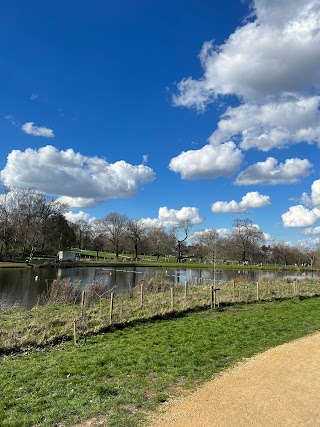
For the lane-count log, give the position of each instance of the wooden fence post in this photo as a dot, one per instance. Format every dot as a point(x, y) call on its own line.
point(82, 302)
point(185, 292)
point(257, 291)
point(172, 298)
point(233, 290)
point(141, 294)
point(75, 332)
point(111, 307)
point(212, 296)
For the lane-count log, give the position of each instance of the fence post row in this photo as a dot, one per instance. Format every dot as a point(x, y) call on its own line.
point(182, 296)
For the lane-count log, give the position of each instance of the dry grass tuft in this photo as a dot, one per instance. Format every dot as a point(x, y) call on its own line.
point(64, 292)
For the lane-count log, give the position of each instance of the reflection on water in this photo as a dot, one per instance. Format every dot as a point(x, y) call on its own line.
point(26, 285)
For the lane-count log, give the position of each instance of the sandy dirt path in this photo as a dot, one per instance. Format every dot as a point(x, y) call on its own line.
point(280, 387)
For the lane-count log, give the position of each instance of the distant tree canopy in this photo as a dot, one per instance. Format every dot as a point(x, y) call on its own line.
point(29, 219)
point(246, 238)
point(31, 222)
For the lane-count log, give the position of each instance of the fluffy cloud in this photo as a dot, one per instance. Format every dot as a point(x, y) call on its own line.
point(272, 66)
point(314, 199)
point(30, 129)
point(250, 200)
point(267, 236)
point(208, 162)
point(81, 181)
point(315, 193)
point(311, 231)
point(299, 216)
point(270, 172)
point(222, 232)
point(172, 217)
point(79, 202)
point(273, 124)
point(79, 216)
point(306, 214)
point(274, 53)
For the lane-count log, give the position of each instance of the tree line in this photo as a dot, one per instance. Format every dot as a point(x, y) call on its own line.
point(32, 223)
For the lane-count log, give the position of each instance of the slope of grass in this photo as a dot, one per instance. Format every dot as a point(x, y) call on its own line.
point(63, 311)
point(8, 264)
point(127, 373)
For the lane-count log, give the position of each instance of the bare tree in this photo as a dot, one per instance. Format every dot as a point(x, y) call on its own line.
point(83, 233)
point(6, 226)
point(26, 218)
point(115, 227)
point(246, 237)
point(59, 234)
point(158, 242)
point(208, 244)
point(181, 233)
point(135, 233)
point(98, 243)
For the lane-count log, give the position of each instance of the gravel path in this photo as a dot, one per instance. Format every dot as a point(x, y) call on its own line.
point(280, 387)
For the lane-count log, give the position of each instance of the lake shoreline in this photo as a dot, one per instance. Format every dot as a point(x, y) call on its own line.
point(161, 264)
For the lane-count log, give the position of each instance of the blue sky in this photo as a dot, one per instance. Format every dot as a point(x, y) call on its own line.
point(166, 110)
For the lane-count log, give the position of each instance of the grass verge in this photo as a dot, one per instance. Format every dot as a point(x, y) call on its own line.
point(128, 373)
point(13, 265)
point(69, 314)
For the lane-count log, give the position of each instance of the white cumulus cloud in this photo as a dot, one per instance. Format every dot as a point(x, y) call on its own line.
point(272, 65)
point(307, 213)
point(31, 129)
point(311, 231)
point(274, 53)
point(222, 232)
point(314, 199)
point(208, 162)
point(271, 172)
point(279, 123)
point(173, 217)
point(251, 200)
point(81, 181)
point(315, 193)
point(300, 216)
point(78, 216)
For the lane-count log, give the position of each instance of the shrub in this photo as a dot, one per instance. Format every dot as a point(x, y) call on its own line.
point(64, 292)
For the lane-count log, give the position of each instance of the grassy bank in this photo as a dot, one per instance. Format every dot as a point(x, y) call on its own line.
point(67, 313)
point(127, 373)
point(89, 259)
point(13, 265)
point(111, 262)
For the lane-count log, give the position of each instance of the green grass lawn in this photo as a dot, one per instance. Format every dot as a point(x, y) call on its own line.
point(13, 265)
point(128, 373)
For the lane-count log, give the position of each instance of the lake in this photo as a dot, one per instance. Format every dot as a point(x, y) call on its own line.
point(24, 286)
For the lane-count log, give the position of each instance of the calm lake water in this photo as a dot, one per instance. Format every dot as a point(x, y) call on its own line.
point(20, 286)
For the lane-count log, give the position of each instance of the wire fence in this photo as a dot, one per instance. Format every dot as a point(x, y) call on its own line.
point(69, 312)
point(156, 296)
